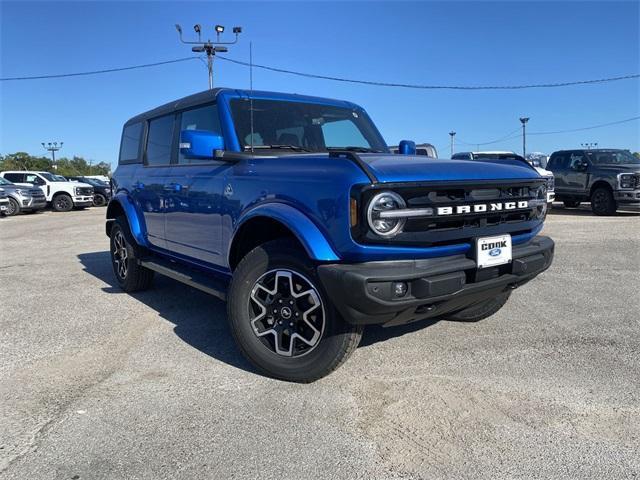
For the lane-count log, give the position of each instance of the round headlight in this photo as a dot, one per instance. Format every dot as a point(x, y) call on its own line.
point(385, 226)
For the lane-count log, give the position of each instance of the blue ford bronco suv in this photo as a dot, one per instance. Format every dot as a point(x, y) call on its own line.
point(293, 210)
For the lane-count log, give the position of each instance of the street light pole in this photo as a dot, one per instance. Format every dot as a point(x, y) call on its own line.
point(524, 121)
point(452, 134)
point(209, 47)
point(52, 147)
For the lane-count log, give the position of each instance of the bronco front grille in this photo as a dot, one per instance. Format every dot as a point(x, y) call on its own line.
point(435, 230)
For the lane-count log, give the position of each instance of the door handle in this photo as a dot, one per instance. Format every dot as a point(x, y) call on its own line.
point(173, 187)
point(138, 185)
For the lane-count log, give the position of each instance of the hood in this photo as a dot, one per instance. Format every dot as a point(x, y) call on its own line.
point(543, 172)
point(619, 168)
point(73, 184)
point(415, 168)
point(24, 187)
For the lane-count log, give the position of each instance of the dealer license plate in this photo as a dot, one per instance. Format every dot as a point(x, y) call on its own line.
point(492, 251)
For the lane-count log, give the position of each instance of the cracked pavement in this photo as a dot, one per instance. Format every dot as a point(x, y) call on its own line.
point(98, 384)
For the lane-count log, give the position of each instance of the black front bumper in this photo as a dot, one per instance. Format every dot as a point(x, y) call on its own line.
point(628, 198)
point(362, 292)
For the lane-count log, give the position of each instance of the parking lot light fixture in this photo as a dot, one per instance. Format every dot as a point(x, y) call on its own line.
point(524, 121)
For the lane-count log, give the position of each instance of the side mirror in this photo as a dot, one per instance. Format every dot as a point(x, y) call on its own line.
point(535, 163)
point(407, 147)
point(200, 144)
point(580, 165)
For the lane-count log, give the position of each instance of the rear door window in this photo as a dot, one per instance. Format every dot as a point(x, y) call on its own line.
point(159, 141)
point(14, 177)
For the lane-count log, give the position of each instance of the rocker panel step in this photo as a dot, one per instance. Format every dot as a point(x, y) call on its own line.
point(188, 276)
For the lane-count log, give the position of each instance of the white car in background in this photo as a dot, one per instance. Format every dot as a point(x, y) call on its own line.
point(506, 155)
point(58, 191)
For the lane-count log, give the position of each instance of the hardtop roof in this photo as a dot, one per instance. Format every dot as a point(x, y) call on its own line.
point(207, 96)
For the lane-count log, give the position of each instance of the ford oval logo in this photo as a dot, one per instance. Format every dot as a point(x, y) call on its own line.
point(495, 252)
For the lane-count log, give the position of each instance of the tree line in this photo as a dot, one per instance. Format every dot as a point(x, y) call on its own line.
point(76, 166)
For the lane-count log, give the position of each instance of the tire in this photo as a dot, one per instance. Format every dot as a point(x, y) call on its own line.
point(571, 204)
point(265, 305)
point(602, 202)
point(14, 208)
point(62, 203)
point(124, 259)
point(99, 200)
point(481, 310)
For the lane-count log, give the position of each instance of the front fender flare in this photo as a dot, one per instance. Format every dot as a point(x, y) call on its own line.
point(136, 223)
point(311, 238)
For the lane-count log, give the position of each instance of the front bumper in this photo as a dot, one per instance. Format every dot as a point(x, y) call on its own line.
point(627, 197)
point(33, 203)
point(362, 292)
point(83, 201)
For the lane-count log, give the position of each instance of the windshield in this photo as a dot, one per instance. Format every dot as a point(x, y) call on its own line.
point(306, 127)
point(52, 178)
point(90, 181)
point(498, 156)
point(612, 157)
point(4, 181)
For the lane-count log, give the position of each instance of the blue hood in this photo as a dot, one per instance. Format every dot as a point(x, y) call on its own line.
point(415, 168)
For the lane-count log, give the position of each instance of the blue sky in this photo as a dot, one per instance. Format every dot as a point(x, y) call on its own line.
point(458, 43)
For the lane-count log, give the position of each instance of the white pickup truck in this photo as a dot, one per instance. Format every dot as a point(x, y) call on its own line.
point(59, 192)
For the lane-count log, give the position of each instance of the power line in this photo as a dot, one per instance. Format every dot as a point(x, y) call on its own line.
point(587, 128)
point(508, 136)
point(430, 87)
point(516, 134)
point(97, 72)
point(337, 79)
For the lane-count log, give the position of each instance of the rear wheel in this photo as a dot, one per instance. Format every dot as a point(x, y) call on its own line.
point(99, 200)
point(13, 208)
point(481, 310)
point(571, 203)
point(281, 318)
point(62, 203)
point(125, 254)
point(602, 202)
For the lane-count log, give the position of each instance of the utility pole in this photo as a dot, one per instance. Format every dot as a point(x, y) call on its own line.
point(53, 147)
point(209, 47)
point(524, 121)
point(453, 134)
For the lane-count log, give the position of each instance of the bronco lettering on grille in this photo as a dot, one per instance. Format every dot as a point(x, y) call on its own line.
point(482, 207)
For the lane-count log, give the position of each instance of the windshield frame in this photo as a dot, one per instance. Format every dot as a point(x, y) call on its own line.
point(371, 135)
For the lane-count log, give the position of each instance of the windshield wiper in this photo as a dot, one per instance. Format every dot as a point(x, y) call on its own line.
point(295, 148)
point(354, 149)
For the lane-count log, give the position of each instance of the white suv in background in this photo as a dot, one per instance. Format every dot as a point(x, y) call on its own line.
point(59, 192)
point(500, 155)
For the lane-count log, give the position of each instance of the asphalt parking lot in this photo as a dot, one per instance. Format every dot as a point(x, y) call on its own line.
point(98, 384)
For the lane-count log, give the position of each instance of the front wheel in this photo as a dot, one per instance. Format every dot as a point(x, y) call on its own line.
point(602, 202)
point(481, 310)
point(13, 208)
point(282, 319)
point(62, 203)
point(99, 200)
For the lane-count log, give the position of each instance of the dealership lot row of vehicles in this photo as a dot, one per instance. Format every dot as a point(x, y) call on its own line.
point(31, 191)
